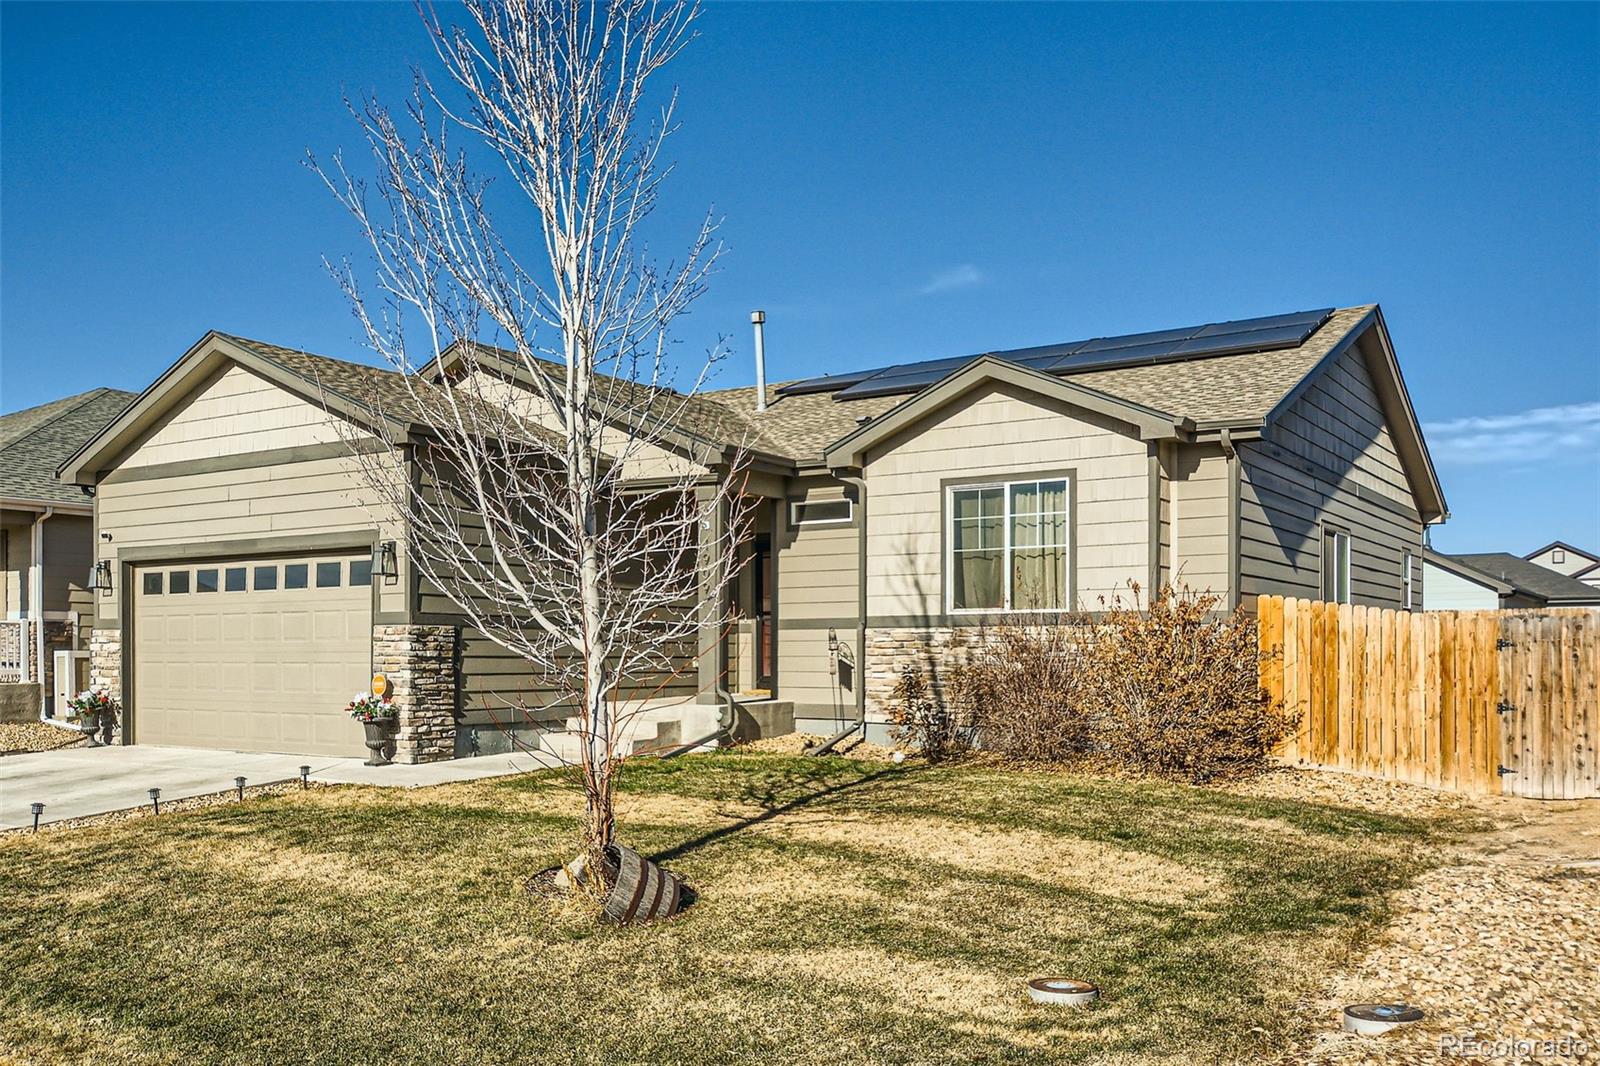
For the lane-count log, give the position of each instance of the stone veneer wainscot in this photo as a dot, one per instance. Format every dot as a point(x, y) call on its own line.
point(421, 665)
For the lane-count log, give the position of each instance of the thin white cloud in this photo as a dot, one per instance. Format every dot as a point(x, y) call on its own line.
point(957, 277)
point(1571, 431)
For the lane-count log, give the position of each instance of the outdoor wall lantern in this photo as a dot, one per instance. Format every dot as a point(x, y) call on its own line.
point(384, 563)
point(100, 576)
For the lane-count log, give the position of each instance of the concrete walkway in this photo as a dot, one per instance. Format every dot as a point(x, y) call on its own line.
point(78, 782)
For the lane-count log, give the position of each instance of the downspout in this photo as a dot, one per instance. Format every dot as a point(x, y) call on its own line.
point(36, 601)
point(1235, 569)
point(860, 724)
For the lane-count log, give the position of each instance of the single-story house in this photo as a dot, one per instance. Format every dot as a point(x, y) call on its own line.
point(898, 506)
point(46, 547)
point(1563, 558)
point(1489, 581)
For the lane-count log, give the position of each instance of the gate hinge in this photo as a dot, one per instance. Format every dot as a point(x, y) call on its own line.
point(1502, 644)
point(1504, 707)
point(1504, 770)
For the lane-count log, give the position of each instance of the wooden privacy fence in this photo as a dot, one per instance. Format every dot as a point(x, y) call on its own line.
point(1471, 701)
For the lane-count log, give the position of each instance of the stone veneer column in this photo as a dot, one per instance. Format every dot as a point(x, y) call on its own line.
point(105, 661)
point(420, 663)
point(932, 650)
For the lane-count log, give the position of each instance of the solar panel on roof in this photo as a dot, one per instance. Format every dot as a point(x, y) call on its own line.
point(825, 383)
point(1265, 333)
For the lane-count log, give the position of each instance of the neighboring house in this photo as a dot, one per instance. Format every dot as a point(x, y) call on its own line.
point(1273, 455)
point(1563, 558)
point(46, 543)
point(1498, 580)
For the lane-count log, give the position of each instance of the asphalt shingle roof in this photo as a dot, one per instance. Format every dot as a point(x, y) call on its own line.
point(1233, 389)
point(1531, 578)
point(1214, 389)
point(33, 442)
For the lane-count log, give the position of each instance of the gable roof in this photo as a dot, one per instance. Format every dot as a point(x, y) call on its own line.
point(1151, 424)
point(1531, 579)
point(1564, 546)
point(35, 440)
point(367, 396)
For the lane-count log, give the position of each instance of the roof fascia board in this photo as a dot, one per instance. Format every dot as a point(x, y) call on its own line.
point(1151, 424)
point(203, 357)
point(24, 503)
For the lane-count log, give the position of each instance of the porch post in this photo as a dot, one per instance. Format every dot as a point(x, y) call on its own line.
point(710, 608)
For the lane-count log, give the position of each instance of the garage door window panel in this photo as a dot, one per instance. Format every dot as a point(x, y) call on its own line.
point(294, 575)
point(152, 584)
point(360, 573)
point(178, 582)
point(328, 575)
point(205, 580)
point(266, 578)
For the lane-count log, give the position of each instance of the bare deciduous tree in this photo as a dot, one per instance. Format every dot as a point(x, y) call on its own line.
point(577, 510)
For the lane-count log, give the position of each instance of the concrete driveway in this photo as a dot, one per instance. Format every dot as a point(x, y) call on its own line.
point(78, 782)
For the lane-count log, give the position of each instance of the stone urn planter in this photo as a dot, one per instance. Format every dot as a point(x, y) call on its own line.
point(377, 740)
point(89, 723)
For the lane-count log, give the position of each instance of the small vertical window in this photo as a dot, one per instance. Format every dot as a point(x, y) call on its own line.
point(328, 575)
point(205, 581)
point(1558, 556)
point(234, 579)
point(360, 572)
point(1409, 564)
point(294, 576)
point(266, 578)
point(1335, 566)
point(152, 584)
point(178, 582)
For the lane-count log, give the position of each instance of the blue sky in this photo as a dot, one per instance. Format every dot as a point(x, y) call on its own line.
point(902, 181)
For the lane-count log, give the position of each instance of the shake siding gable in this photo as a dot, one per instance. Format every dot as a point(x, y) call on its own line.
point(1001, 432)
point(236, 413)
point(241, 417)
point(1328, 461)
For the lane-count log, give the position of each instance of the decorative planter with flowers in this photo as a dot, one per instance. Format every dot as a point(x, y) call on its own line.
point(95, 710)
point(377, 715)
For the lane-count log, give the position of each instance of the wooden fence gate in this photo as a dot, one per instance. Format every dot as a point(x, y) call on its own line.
point(1471, 701)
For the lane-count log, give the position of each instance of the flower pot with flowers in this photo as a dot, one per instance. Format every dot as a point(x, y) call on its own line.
point(95, 709)
point(376, 715)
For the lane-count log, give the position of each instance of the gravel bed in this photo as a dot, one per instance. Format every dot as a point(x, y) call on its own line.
point(796, 743)
point(21, 737)
point(1498, 945)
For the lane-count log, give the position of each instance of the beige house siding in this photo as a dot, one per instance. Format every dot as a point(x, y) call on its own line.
point(818, 568)
point(1573, 563)
point(1201, 538)
point(1329, 461)
point(235, 413)
point(68, 552)
point(996, 432)
point(259, 495)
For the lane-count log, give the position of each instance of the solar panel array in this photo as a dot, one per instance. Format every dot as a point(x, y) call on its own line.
point(1263, 334)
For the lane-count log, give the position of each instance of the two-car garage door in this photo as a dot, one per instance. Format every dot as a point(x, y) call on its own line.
point(252, 654)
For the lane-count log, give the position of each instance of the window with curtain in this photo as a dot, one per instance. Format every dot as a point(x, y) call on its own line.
point(1008, 547)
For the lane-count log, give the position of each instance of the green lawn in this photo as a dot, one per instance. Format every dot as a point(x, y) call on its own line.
point(850, 912)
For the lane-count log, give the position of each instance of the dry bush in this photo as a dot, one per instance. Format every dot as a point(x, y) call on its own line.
point(1175, 690)
point(925, 720)
point(1021, 684)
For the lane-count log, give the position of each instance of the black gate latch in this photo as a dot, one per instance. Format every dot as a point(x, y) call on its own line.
point(1503, 770)
point(1504, 707)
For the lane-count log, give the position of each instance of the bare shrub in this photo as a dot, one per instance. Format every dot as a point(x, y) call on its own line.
point(1022, 683)
point(1175, 689)
point(925, 720)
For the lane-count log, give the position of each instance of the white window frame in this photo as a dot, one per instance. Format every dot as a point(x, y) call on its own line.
point(1341, 545)
point(794, 513)
point(1410, 587)
point(948, 535)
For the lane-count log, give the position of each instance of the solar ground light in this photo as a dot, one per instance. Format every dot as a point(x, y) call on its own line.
point(155, 798)
point(37, 809)
point(1063, 991)
point(1372, 1019)
point(238, 783)
point(305, 772)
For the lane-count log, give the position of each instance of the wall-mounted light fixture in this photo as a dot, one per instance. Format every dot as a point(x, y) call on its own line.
point(384, 562)
point(100, 576)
